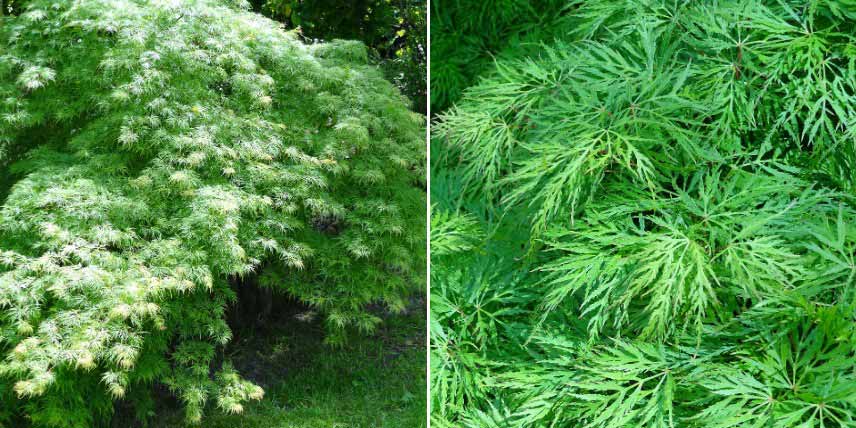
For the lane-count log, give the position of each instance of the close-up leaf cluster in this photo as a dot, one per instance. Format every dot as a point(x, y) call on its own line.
point(467, 35)
point(648, 220)
point(159, 158)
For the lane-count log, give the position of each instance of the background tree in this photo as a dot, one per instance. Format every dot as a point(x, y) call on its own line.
point(11, 7)
point(394, 31)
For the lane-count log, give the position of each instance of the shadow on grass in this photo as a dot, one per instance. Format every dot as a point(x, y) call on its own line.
point(374, 381)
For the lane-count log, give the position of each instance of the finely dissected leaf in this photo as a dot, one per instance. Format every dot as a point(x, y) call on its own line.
point(155, 157)
point(667, 190)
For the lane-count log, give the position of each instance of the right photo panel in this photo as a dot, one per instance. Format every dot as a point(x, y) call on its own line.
point(643, 214)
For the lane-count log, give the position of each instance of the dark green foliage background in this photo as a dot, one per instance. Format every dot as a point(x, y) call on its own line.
point(11, 7)
point(644, 216)
point(469, 35)
point(395, 32)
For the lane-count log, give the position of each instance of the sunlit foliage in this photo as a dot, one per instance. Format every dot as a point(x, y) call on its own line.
point(156, 153)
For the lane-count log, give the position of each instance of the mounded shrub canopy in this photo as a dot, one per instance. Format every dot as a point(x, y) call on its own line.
point(155, 152)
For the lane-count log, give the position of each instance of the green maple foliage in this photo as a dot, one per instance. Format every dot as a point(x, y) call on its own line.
point(470, 34)
point(649, 222)
point(152, 154)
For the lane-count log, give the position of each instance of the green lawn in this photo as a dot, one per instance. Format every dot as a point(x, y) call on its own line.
point(375, 381)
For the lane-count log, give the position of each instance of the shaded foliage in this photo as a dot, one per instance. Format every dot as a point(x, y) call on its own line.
point(468, 35)
point(394, 31)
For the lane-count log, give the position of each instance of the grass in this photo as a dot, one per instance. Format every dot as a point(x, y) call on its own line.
point(375, 381)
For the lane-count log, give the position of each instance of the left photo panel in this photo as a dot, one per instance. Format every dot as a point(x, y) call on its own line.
point(213, 213)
